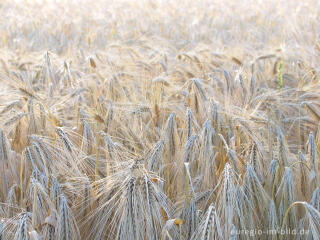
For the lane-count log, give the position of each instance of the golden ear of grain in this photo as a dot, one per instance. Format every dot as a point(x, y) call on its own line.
point(237, 61)
point(314, 112)
point(92, 63)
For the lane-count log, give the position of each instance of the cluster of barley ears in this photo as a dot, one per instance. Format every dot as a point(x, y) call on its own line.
point(149, 120)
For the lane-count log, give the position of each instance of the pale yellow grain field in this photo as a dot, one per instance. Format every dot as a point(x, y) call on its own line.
point(159, 119)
